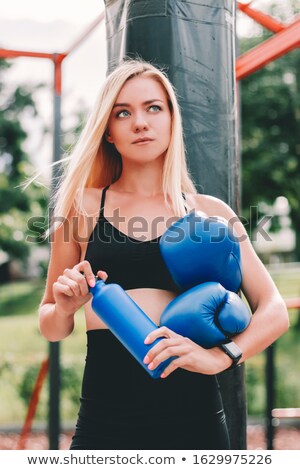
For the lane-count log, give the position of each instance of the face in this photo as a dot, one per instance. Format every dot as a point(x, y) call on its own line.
point(140, 122)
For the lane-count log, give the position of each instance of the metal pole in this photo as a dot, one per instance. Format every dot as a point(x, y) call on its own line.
point(54, 348)
point(270, 394)
point(54, 399)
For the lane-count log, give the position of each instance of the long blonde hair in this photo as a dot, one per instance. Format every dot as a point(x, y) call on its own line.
point(95, 163)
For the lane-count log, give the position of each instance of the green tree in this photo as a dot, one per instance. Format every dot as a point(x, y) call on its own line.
point(270, 108)
point(16, 206)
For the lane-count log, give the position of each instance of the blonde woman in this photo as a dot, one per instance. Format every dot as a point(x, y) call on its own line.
point(126, 182)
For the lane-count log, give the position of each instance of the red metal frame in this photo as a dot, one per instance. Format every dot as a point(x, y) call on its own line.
point(34, 400)
point(56, 58)
point(265, 20)
point(285, 39)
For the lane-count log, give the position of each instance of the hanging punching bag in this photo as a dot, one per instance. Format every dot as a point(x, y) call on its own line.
point(194, 41)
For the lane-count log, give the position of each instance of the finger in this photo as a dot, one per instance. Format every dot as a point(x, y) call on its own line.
point(102, 275)
point(162, 331)
point(171, 367)
point(171, 351)
point(85, 268)
point(63, 289)
point(82, 283)
point(79, 279)
point(67, 281)
point(158, 348)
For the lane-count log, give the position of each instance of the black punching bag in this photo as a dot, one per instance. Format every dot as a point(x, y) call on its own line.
point(195, 42)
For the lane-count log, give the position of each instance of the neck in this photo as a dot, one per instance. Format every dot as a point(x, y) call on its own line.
point(145, 181)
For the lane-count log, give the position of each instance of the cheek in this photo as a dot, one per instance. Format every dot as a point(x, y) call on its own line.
point(167, 127)
point(162, 122)
point(168, 122)
point(116, 131)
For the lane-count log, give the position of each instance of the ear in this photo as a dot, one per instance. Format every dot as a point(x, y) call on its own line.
point(108, 137)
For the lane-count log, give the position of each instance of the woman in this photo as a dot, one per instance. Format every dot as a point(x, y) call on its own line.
point(127, 181)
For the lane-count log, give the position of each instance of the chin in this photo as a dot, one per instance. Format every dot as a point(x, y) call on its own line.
point(144, 157)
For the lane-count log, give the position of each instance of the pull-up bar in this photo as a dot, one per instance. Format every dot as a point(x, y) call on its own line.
point(57, 58)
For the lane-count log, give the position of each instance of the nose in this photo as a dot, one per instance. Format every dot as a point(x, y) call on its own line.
point(140, 123)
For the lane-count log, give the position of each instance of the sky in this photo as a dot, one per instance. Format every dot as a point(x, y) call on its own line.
point(52, 26)
point(76, 11)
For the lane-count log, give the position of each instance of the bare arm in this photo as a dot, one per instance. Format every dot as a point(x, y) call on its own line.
point(269, 321)
point(66, 288)
point(270, 317)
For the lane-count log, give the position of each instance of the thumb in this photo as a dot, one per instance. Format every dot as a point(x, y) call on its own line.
point(102, 275)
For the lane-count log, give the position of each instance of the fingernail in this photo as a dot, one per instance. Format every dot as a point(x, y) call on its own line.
point(151, 365)
point(146, 359)
point(147, 339)
point(92, 282)
point(162, 376)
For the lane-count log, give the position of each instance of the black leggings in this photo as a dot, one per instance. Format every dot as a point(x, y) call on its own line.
point(123, 408)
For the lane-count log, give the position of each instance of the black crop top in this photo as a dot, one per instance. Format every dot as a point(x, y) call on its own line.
point(128, 262)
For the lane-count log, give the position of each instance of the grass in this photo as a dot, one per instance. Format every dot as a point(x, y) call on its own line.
point(20, 298)
point(22, 350)
point(287, 354)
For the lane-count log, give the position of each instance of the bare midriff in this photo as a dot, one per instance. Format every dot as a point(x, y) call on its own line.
point(151, 301)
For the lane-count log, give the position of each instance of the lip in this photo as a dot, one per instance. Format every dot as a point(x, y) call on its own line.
point(142, 140)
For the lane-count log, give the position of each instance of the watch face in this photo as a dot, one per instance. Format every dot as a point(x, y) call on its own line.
point(232, 350)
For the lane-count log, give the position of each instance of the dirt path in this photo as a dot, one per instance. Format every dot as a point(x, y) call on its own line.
point(287, 438)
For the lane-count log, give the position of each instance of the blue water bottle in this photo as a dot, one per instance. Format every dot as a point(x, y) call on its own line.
point(127, 321)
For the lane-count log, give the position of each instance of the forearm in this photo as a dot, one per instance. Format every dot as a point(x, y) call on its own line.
point(55, 324)
point(268, 323)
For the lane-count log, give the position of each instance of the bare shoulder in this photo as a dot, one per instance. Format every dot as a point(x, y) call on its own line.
point(210, 205)
point(91, 201)
point(215, 207)
point(85, 218)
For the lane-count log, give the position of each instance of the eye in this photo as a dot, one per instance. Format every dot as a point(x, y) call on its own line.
point(154, 108)
point(122, 113)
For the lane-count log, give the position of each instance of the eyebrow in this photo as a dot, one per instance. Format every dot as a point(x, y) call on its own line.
point(128, 104)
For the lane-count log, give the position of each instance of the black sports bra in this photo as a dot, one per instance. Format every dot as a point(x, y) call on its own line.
point(129, 262)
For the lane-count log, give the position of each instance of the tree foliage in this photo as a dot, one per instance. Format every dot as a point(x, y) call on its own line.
point(16, 206)
point(270, 108)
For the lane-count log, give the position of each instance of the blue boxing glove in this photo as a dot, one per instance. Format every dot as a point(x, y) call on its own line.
point(208, 314)
point(199, 249)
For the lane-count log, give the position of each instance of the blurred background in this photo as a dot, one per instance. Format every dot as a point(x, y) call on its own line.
point(270, 177)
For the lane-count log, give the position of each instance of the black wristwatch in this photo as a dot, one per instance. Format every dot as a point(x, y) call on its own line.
point(233, 351)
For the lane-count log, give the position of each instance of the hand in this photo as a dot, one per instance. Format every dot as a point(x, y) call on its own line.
point(71, 290)
point(190, 356)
